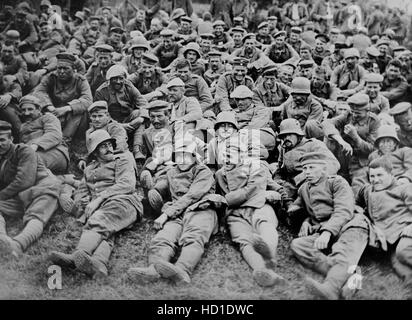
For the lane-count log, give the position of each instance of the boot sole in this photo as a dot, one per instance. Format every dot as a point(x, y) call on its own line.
point(168, 270)
point(55, 258)
point(263, 249)
point(265, 279)
point(140, 276)
point(6, 249)
point(155, 199)
point(84, 263)
point(146, 181)
point(313, 288)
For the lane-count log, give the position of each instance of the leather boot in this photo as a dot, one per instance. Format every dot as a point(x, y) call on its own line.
point(144, 275)
point(322, 290)
point(89, 241)
point(30, 234)
point(62, 259)
point(170, 271)
point(155, 199)
point(263, 249)
point(65, 199)
point(146, 180)
point(101, 257)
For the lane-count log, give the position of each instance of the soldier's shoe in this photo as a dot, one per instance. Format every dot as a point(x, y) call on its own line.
point(62, 259)
point(268, 278)
point(66, 203)
point(321, 290)
point(148, 274)
point(155, 199)
point(88, 265)
point(171, 271)
point(146, 180)
point(263, 249)
point(10, 247)
point(351, 287)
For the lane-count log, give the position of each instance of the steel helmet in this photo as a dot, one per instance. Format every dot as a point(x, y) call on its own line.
point(226, 117)
point(300, 85)
point(290, 126)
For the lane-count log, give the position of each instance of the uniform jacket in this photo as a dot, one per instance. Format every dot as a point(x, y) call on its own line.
point(394, 90)
point(27, 31)
point(272, 97)
point(46, 132)
point(312, 110)
point(405, 138)
point(96, 76)
point(10, 85)
point(187, 109)
point(401, 160)
point(167, 56)
point(319, 10)
point(379, 104)
point(225, 86)
point(76, 93)
point(255, 117)
point(329, 203)
point(342, 76)
point(117, 132)
point(302, 11)
point(18, 68)
point(257, 60)
point(197, 87)
point(157, 143)
point(148, 85)
point(286, 54)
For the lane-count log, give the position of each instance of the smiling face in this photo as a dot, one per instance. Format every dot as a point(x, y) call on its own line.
point(387, 145)
point(358, 114)
point(225, 130)
point(237, 38)
point(239, 73)
point(191, 56)
point(372, 89)
point(7, 52)
point(117, 82)
point(29, 112)
point(159, 118)
point(218, 30)
point(404, 120)
point(183, 73)
point(99, 118)
point(393, 72)
point(176, 93)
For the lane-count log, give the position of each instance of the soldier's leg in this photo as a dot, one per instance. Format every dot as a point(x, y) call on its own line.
point(54, 160)
point(313, 129)
point(359, 177)
point(10, 114)
point(402, 260)
point(12, 208)
point(97, 264)
point(74, 125)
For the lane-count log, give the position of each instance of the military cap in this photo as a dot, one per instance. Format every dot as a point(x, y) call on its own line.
point(239, 61)
point(297, 30)
point(358, 101)
point(389, 33)
point(241, 92)
point(288, 64)
point(372, 51)
point(322, 37)
point(13, 34)
point(386, 131)
point(306, 63)
point(96, 138)
point(373, 77)
point(79, 15)
point(214, 53)
point(187, 19)
point(272, 18)
point(352, 52)
point(43, 23)
point(218, 23)
point(313, 158)
point(167, 33)
point(207, 36)
point(399, 48)
point(30, 99)
point(158, 105)
point(98, 105)
point(271, 71)
point(335, 31)
point(175, 82)
point(300, 85)
point(117, 30)
point(400, 108)
point(104, 48)
point(382, 42)
point(94, 18)
point(226, 117)
point(66, 57)
point(5, 127)
point(280, 34)
point(21, 12)
point(375, 38)
point(139, 42)
point(45, 3)
point(177, 13)
point(238, 19)
point(115, 71)
point(237, 29)
point(264, 24)
point(248, 36)
point(305, 46)
point(149, 58)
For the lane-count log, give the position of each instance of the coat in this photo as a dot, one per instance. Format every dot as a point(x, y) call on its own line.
point(157, 143)
point(394, 90)
point(225, 86)
point(272, 97)
point(342, 76)
point(401, 160)
point(187, 109)
point(312, 110)
point(96, 76)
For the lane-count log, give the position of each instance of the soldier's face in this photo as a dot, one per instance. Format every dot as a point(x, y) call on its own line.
point(306, 72)
point(155, 25)
point(104, 60)
point(280, 40)
point(320, 45)
point(289, 140)
point(383, 49)
point(358, 114)
point(379, 178)
point(176, 93)
point(5, 142)
point(45, 30)
point(351, 62)
point(137, 52)
point(341, 108)
point(184, 160)
point(264, 31)
point(218, 30)
point(167, 42)
point(404, 120)
point(239, 73)
point(214, 63)
point(237, 38)
point(393, 72)
point(225, 130)
point(305, 54)
point(191, 56)
point(147, 69)
point(318, 80)
point(185, 25)
point(269, 81)
point(249, 45)
point(29, 112)
point(99, 119)
point(183, 73)
point(372, 89)
point(117, 83)
point(205, 45)
point(94, 25)
point(285, 76)
point(64, 71)
point(105, 152)
point(140, 15)
point(91, 41)
point(158, 119)
point(294, 37)
point(7, 52)
point(116, 37)
point(272, 24)
point(243, 104)
point(314, 172)
point(387, 145)
point(300, 98)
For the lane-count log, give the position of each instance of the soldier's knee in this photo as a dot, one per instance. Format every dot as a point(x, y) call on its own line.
point(296, 246)
point(404, 255)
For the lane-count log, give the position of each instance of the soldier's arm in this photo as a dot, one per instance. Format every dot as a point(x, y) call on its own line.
point(80, 105)
point(89, 75)
point(32, 37)
point(205, 97)
point(260, 119)
point(366, 146)
point(52, 135)
point(316, 112)
point(25, 176)
point(396, 93)
point(331, 126)
point(42, 91)
point(193, 111)
point(385, 104)
point(221, 95)
point(343, 206)
point(138, 98)
point(201, 185)
point(14, 88)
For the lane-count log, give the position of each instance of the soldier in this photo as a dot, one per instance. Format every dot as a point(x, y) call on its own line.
point(253, 116)
point(323, 91)
point(336, 58)
point(319, 52)
point(384, 57)
point(351, 137)
point(293, 145)
point(100, 120)
point(349, 77)
point(66, 94)
point(304, 108)
point(168, 50)
point(137, 23)
point(273, 24)
point(188, 220)
point(387, 206)
point(115, 39)
point(322, 14)
point(192, 54)
point(285, 73)
point(26, 29)
point(107, 202)
point(185, 31)
point(10, 94)
point(305, 69)
point(263, 35)
point(96, 75)
point(369, 60)
point(237, 34)
point(222, 39)
point(402, 114)
point(13, 64)
point(214, 71)
point(133, 61)
point(205, 45)
point(43, 134)
point(377, 102)
point(329, 204)
point(153, 34)
point(125, 105)
point(27, 189)
point(394, 85)
point(294, 38)
point(229, 81)
point(280, 51)
point(295, 14)
point(251, 220)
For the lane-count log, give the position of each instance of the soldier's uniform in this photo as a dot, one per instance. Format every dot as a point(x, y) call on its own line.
point(401, 112)
point(272, 97)
point(27, 189)
point(197, 87)
point(186, 36)
point(96, 75)
point(27, 31)
point(330, 205)
point(167, 56)
point(130, 62)
point(10, 113)
point(75, 94)
point(282, 54)
point(379, 103)
point(16, 67)
point(394, 90)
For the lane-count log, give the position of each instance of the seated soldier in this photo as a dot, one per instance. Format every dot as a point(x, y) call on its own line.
point(250, 218)
point(377, 102)
point(67, 95)
point(125, 105)
point(214, 70)
point(14, 64)
point(253, 116)
point(96, 75)
point(43, 133)
point(402, 114)
point(188, 220)
point(387, 205)
point(27, 189)
point(133, 62)
point(10, 94)
point(394, 85)
point(107, 202)
point(331, 223)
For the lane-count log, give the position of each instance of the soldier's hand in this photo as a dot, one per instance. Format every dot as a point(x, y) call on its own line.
point(61, 112)
point(347, 148)
point(403, 181)
point(5, 100)
point(151, 166)
point(128, 127)
point(160, 221)
point(305, 229)
point(34, 147)
point(407, 231)
point(92, 206)
point(350, 130)
point(81, 165)
point(322, 241)
point(273, 196)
